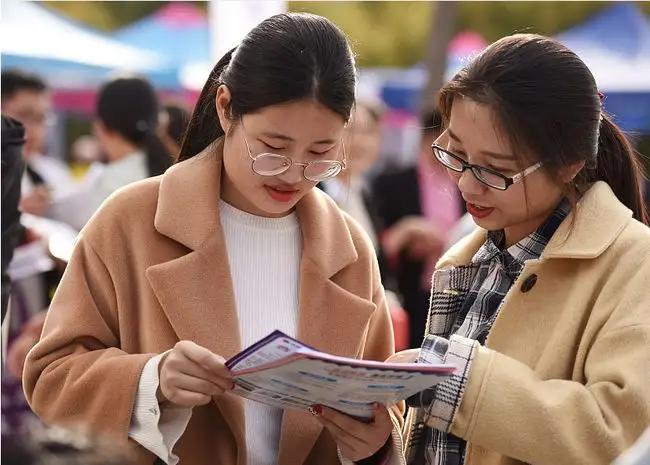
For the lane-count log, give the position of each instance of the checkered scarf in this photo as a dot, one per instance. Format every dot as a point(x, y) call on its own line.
point(465, 302)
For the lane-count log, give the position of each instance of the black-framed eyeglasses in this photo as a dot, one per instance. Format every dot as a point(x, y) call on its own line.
point(273, 164)
point(483, 174)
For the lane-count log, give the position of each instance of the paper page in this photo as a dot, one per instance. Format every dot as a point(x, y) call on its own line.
point(305, 382)
point(272, 348)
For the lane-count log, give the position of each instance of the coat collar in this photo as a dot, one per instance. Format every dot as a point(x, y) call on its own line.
point(188, 212)
point(194, 285)
point(586, 233)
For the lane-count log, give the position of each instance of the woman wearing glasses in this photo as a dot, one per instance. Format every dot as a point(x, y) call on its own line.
point(176, 274)
point(544, 309)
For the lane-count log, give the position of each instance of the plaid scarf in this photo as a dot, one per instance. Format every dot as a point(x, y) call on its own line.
point(465, 302)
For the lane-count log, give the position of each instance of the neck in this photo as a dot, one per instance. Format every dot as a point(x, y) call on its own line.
point(118, 149)
point(519, 231)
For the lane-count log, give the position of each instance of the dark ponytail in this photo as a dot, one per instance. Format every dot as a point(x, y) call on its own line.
point(619, 166)
point(158, 156)
point(286, 58)
point(204, 127)
point(129, 106)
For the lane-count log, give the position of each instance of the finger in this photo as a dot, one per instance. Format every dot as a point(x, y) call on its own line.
point(204, 357)
point(345, 440)
point(405, 356)
point(179, 363)
point(197, 371)
point(348, 425)
point(382, 417)
point(188, 398)
point(190, 383)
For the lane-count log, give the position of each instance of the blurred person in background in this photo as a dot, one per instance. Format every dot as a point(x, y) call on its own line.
point(63, 446)
point(12, 140)
point(418, 207)
point(85, 154)
point(27, 98)
point(127, 112)
point(174, 118)
point(544, 308)
point(125, 128)
point(175, 275)
point(351, 190)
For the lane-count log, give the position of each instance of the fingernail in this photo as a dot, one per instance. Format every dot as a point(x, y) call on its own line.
point(316, 410)
point(376, 406)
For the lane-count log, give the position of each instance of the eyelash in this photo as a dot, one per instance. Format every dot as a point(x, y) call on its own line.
point(463, 155)
point(283, 148)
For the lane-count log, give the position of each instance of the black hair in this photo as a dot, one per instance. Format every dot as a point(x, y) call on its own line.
point(178, 117)
point(545, 99)
point(13, 81)
point(286, 58)
point(129, 106)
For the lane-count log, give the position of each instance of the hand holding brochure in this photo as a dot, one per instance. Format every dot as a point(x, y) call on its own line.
point(282, 372)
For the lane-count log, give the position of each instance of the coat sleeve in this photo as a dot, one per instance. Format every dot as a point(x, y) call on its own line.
point(509, 409)
point(77, 373)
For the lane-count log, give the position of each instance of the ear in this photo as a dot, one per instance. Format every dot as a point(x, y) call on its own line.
point(222, 102)
point(571, 171)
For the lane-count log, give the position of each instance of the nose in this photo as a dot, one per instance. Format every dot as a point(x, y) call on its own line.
point(293, 175)
point(468, 184)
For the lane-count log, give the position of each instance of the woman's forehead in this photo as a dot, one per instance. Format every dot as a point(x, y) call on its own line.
point(300, 121)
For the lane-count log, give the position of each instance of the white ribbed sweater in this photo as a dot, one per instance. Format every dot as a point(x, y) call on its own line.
point(264, 256)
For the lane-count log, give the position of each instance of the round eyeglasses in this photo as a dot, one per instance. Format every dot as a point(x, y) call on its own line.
point(484, 175)
point(273, 164)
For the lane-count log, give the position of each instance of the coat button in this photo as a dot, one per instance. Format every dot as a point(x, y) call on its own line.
point(529, 283)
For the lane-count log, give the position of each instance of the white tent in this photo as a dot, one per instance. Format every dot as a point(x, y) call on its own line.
point(36, 38)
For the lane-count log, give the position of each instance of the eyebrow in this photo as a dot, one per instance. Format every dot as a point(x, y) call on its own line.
point(278, 136)
point(497, 155)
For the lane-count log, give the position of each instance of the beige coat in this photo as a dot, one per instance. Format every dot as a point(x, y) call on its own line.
point(565, 374)
point(151, 269)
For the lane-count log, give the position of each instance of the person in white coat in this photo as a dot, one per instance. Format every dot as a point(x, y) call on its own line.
point(126, 129)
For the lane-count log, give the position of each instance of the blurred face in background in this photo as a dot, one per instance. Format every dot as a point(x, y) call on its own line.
point(34, 110)
point(363, 141)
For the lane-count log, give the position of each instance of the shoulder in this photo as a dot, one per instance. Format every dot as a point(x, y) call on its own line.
point(127, 210)
point(631, 248)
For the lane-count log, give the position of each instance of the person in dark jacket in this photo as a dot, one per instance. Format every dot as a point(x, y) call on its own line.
point(418, 206)
point(13, 139)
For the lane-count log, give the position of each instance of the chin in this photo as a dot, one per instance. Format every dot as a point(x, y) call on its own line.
point(272, 208)
point(490, 223)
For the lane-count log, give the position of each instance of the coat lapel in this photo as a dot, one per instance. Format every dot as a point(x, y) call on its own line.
point(332, 319)
point(196, 293)
point(195, 290)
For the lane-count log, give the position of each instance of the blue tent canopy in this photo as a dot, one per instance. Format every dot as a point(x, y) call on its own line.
point(615, 44)
point(180, 31)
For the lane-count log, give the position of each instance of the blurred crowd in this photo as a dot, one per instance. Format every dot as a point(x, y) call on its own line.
point(412, 214)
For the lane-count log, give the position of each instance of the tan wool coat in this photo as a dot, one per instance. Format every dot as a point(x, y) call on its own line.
point(564, 378)
point(151, 269)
